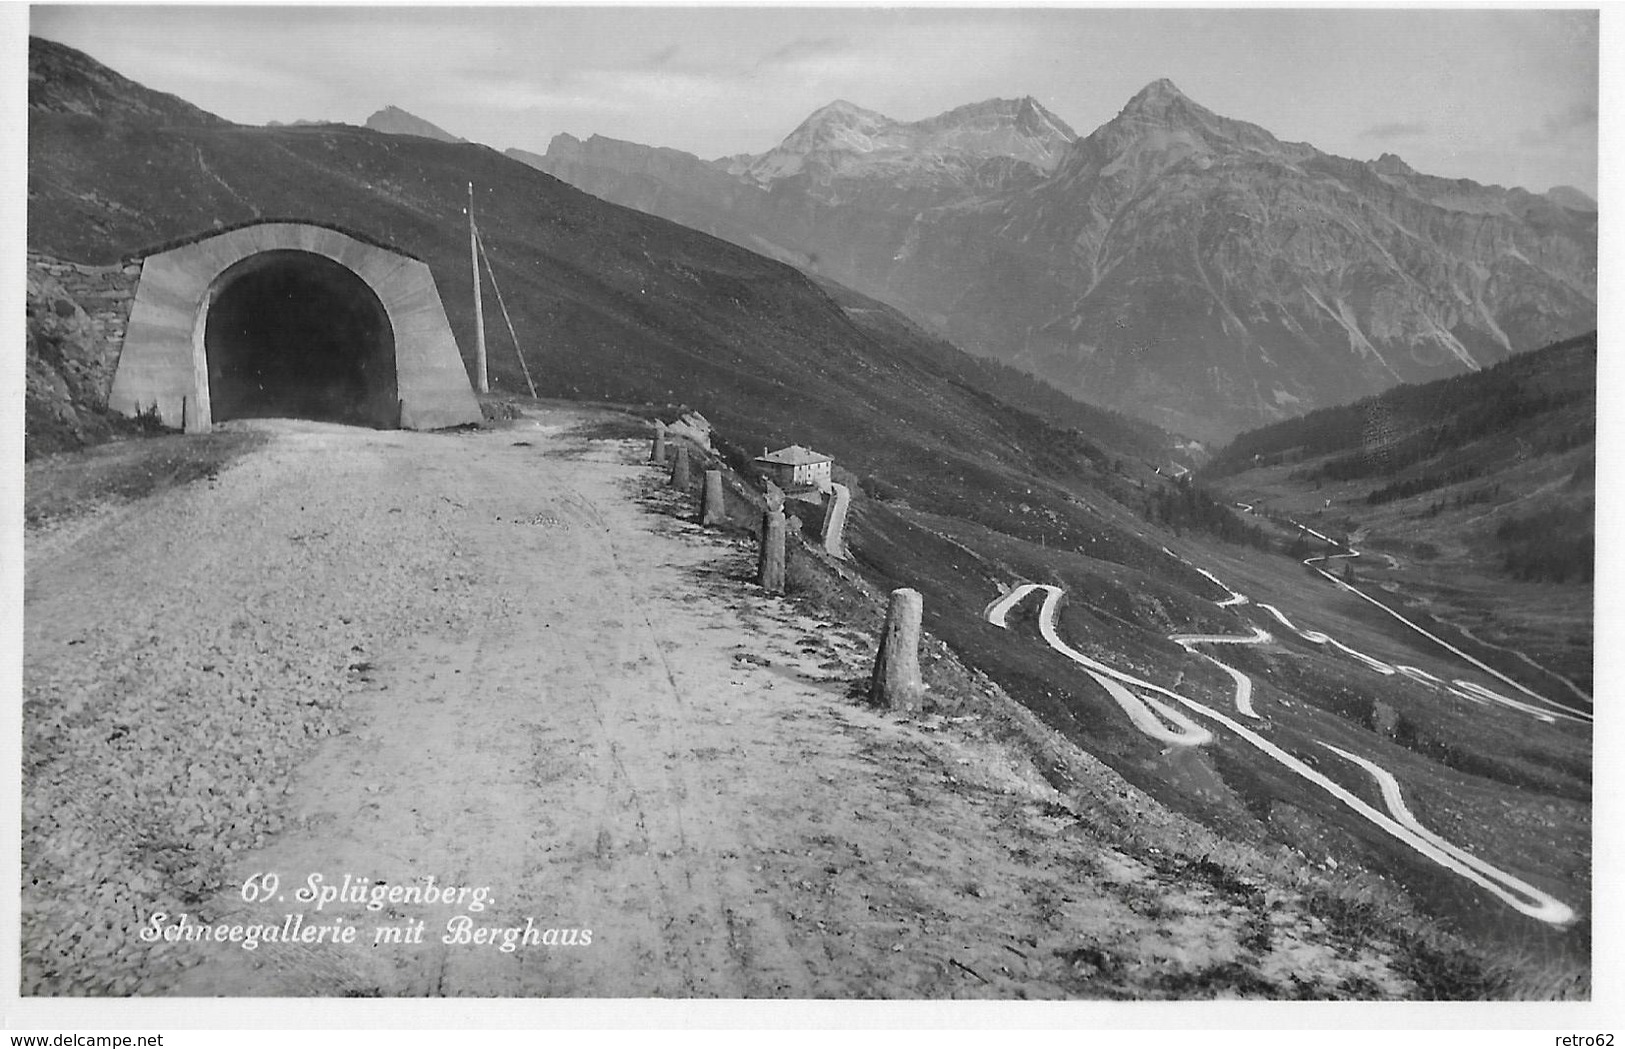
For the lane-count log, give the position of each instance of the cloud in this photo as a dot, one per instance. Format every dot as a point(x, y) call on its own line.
point(600, 91)
point(1578, 119)
point(661, 57)
point(803, 48)
point(1398, 129)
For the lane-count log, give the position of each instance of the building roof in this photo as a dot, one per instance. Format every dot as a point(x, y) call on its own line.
point(795, 455)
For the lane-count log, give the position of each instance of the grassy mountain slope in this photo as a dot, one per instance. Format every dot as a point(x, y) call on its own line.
point(1474, 496)
point(61, 81)
point(1012, 385)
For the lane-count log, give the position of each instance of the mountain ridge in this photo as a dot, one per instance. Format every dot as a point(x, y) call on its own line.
point(1570, 197)
point(59, 82)
point(845, 140)
point(393, 120)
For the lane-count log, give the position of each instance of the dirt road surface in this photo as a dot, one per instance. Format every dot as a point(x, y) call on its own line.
point(499, 660)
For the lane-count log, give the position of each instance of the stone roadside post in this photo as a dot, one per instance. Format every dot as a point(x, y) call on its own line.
point(679, 469)
point(770, 567)
point(711, 511)
point(896, 684)
point(658, 453)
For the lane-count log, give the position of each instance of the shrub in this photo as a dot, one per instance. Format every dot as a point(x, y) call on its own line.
point(879, 489)
point(150, 421)
point(1554, 545)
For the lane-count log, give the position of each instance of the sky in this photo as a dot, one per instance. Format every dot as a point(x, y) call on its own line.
point(1500, 96)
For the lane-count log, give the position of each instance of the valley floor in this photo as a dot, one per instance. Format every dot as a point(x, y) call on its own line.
point(504, 660)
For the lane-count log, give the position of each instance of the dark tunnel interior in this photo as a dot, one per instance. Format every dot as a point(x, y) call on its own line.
point(295, 334)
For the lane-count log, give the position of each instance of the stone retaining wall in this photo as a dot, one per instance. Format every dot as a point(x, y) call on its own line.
point(103, 292)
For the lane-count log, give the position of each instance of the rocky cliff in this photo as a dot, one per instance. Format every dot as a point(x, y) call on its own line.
point(76, 315)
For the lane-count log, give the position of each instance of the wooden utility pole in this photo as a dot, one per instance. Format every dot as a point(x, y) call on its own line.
point(482, 383)
point(503, 306)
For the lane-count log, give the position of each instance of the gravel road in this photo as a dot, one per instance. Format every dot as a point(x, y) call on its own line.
point(498, 660)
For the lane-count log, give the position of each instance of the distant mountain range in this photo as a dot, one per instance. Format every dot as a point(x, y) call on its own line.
point(961, 148)
point(1188, 268)
point(1569, 197)
point(391, 120)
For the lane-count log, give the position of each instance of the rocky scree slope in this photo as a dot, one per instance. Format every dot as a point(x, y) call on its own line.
point(1177, 264)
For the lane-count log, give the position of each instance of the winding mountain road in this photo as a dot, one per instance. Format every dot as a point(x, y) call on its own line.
point(1184, 733)
point(1397, 822)
point(1244, 684)
point(1556, 709)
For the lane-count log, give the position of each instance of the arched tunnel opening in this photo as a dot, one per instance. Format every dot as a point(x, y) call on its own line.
point(295, 334)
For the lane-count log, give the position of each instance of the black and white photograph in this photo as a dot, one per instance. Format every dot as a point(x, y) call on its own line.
point(758, 504)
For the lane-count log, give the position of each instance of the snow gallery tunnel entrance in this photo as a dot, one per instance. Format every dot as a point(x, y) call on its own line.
point(290, 319)
point(291, 333)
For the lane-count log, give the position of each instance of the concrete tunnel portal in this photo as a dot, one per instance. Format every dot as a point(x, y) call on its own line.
point(294, 334)
point(288, 318)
